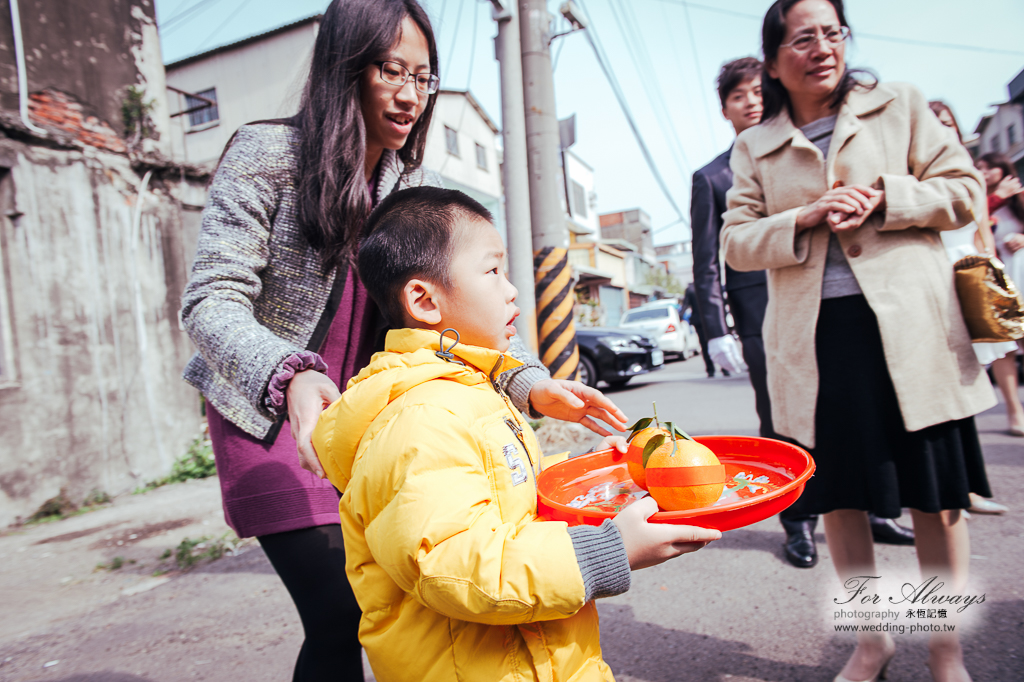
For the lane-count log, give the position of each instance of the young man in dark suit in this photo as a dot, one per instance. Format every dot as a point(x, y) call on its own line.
point(739, 89)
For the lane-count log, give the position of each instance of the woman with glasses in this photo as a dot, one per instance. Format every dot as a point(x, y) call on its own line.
point(840, 194)
point(281, 319)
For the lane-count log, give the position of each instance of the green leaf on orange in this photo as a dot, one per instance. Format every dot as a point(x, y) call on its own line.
point(638, 426)
point(652, 445)
point(677, 431)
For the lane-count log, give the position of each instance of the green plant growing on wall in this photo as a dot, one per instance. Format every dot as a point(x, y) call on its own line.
point(198, 462)
point(135, 111)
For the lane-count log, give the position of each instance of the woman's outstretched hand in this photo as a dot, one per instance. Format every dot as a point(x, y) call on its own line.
point(1008, 187)
point(649, 544)
point(309, 392)
point(842, 208)
point(573, 401)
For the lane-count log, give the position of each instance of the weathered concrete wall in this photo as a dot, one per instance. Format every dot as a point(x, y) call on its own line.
point(92, 50)
point(97, 400)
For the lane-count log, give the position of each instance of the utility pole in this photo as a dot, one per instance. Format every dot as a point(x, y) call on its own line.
point(513, 168)
point(552, 273)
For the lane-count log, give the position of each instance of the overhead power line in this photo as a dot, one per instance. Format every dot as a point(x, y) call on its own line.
point(224, 23)
point(700, 74)
point(181, 18)
point(455, 34)
point(858, 34)
point(645, 69)
point(617, 90)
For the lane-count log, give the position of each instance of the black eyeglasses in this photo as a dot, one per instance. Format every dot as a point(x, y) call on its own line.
point(394, 73)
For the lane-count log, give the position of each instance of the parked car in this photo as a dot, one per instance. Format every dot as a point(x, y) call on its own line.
point(661, 321)
point(615, 355)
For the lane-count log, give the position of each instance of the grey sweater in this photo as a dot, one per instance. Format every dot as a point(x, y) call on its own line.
point(258, 294)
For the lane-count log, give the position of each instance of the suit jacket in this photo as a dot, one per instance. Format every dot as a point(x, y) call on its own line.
point(886, 137)
point(710, 185)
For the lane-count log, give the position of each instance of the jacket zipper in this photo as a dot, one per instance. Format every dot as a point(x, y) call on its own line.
point(512, 422)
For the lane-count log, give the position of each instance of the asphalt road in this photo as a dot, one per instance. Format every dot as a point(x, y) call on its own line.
point(733, 611)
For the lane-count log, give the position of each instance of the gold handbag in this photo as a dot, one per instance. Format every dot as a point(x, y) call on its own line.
point(992, 306)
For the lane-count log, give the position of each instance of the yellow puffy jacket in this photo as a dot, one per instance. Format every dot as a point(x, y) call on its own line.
point(456, 577)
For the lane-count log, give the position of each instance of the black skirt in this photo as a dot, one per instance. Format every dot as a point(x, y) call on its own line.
point(865, 458)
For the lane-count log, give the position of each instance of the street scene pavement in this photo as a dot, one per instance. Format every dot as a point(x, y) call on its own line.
point(101, 597)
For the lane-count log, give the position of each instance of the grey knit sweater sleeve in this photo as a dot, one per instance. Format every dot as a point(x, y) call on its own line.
point(233, 250)
point(518, 382)
point(602, 559)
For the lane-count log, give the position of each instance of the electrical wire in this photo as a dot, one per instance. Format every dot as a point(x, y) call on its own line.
point(217, 30)
point(700, 73)
point(455, 33)
point(872, 36)
point(623, 104)
point(472, 47)
point(181, 10)
point(179, 20)
point(679, 63)
point(558, 53)
point(644, 68)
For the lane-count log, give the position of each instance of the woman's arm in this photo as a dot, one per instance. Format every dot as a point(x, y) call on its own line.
point(752, 239)
point(217, 305)
point(941, 190)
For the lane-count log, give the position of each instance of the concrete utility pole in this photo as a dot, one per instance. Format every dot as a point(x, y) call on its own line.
point(513, 168)
point(552, 274)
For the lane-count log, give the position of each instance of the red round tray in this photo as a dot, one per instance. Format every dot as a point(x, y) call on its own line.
point(764, 476)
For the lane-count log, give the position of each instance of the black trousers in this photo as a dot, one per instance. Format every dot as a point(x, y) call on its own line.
point(311, 563)
point(748, 306)
point(709, 364)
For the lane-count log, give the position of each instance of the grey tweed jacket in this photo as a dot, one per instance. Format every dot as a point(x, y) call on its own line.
point(258, 293)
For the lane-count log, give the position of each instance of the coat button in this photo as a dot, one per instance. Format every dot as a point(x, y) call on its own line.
point(853, 251)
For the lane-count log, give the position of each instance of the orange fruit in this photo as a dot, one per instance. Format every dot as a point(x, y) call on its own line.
point(635, 453)
point(682, 485)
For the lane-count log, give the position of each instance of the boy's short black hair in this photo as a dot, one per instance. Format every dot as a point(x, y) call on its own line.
point(411, 234)
point(734, 73)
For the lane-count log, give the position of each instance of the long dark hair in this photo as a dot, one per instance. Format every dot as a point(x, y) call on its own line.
point(331, 183)
point(1003, 163)
point(775, 96)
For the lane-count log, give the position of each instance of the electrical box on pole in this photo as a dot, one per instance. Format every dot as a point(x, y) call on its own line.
point(556, 332)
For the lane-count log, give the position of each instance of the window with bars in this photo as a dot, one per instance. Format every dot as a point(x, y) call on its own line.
point(579, 199)
point(207, 114)
point(481, 156)
point(451, 141)
point(1011, 135)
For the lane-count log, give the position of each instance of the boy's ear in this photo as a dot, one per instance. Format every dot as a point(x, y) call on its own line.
point(419, 298)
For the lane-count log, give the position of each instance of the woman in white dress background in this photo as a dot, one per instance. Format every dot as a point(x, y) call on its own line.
point(972, 239)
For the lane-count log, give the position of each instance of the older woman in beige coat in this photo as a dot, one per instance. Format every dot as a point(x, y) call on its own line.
point(840, 194)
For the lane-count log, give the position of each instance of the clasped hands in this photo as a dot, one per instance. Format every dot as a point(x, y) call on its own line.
point(841, 208)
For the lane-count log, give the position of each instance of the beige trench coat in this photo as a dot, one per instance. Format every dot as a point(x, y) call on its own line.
point(888, 138)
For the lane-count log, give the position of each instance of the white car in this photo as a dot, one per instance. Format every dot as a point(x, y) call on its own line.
point(661, 322)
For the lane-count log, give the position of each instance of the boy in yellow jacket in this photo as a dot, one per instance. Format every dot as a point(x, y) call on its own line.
point(456, 576)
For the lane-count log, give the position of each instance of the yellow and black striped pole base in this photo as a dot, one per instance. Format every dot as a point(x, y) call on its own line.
point(556, 331)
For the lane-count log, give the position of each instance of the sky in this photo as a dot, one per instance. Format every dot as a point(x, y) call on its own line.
point(963, 53)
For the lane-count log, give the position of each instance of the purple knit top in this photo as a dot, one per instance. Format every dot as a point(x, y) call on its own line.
point(263, 487)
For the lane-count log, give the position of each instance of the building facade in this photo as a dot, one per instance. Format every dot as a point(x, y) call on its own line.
point(462, 146)
point(94, 255)
point(1002, 131)
point(254, 79)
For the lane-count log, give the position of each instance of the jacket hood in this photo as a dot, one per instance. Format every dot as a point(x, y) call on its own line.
point(410, 358)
